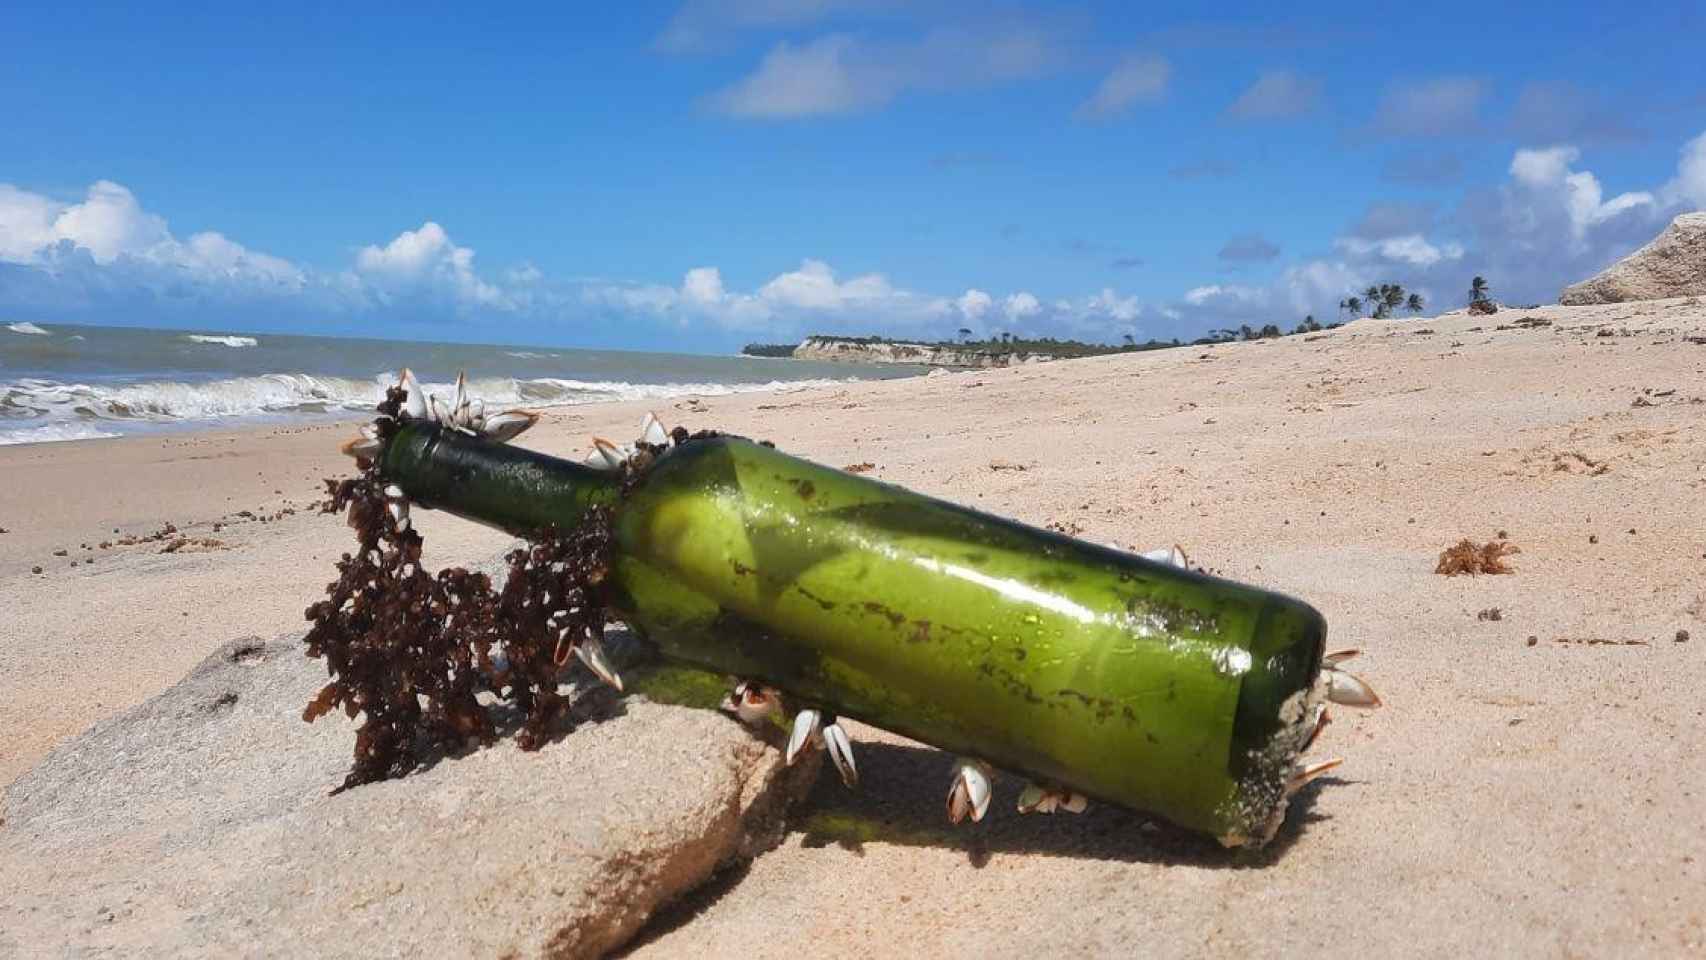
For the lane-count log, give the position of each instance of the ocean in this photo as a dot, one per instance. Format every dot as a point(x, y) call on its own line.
point(74, 382)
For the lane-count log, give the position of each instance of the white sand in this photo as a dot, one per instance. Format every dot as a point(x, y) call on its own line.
point(1543, 799)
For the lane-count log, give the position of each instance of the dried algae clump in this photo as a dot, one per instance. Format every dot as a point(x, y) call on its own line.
point(409, 651)
point(1474, 559)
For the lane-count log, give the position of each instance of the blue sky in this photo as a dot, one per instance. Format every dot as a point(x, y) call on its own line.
point(694, 176)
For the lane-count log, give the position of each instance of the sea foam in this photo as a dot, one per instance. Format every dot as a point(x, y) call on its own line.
point(36, 410)
point(222, 340)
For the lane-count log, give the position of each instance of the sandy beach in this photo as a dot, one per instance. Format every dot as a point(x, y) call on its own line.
point(1534, 786)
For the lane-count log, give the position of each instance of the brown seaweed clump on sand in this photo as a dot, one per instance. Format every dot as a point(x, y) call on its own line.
point(1474, 559)
point(410, 650)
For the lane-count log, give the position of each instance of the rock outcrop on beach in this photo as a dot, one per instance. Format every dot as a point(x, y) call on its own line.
point(1672, 265)
point(199, 824)
point(883, 351)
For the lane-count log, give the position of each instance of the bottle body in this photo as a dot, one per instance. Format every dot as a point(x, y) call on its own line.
point(1092, 669)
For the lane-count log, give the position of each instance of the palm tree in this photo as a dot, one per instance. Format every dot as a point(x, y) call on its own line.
point(1478, 290)
point(1372, 297)
point(1245, 333)
point(965, 334)
point(1391, 298)
point(1414, 304)
point(1353, 306)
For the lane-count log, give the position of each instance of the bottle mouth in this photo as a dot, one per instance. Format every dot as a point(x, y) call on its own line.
point(1276, 716)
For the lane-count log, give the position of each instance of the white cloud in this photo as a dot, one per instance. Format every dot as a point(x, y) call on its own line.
point(704, 285)
point(811, 79)
point(1442, 106)
point(811, 294)
point(842, 73)
point(1411, 248)
point(1276, 94)
point(973, 304)
point(1549, 171)
point(1021, 305)
point(1226, 294)
point(1688, 189)
point(815, 287)
point(426, 260)
point(1137, 78)
point(1110, 304)
point(111, 227)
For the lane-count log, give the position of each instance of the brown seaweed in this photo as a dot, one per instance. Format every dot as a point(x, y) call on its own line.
point(410, 651)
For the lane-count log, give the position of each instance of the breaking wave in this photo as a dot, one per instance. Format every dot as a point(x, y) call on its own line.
point(27, 327)
point(228, 341)
point(53, 433)
point(33, 410)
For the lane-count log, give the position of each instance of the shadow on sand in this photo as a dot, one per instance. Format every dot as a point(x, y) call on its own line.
point(901, 800)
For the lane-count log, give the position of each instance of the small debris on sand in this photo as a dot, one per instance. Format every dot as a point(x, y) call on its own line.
point(1007, 465)
point(1491, 613)
point(1681, 636)
point(1533, 640)
point(1475, 559)
point(1572, 461)
point(188, 544)
point(1599, 642)
point(860, 467)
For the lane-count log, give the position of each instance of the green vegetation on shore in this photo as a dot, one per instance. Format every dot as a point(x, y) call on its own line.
point(1380, 302)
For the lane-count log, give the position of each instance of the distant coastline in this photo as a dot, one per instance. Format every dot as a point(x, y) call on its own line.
point(963, 354)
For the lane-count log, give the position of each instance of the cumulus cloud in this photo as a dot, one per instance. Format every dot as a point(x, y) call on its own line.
point(1441, 106)
point(110, 227)
point(1548, 224)
point(973, 304)
point(842, 73)
point(811, 294)
point(1137, 78)
point(1276, 94)
point(1688, 189)
point(425, 261)
point(1548, 172)
point(1021, 306)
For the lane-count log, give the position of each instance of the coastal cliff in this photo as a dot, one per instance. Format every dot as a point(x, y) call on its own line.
point(849, 350)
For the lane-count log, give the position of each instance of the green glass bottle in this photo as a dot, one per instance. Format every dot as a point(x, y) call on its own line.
point(1089, 669)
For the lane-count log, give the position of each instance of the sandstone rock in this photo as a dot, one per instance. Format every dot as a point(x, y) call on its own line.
point(1672, 265)
point(199, 824)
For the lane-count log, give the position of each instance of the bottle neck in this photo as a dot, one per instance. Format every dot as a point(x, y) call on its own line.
point(512, 488)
